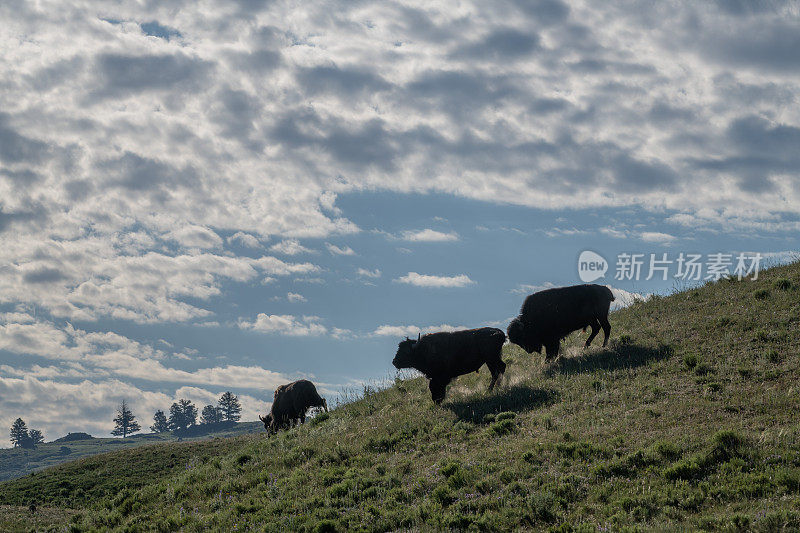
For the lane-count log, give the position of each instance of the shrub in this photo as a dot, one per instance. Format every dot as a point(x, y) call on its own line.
point(728, 443)
point(442, 495)
point(773, 356)
point(665, 449)
point(530, 457)
point(690, 360)
point(506, 415)
point(789, 480)
point(320, 418)
point(450, 468)
point(325, 526)
point(540, 507)
point(338, 490)
point(703, 369)
point(761, 294)
point(625, 340)
point(783, 284)
point(687, 469)
point(503, 427)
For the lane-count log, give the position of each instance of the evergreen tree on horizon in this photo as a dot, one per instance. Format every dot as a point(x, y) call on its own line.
point(182, 414)
point(211, 415)
point(36, 437)
point(230, 407)
point(125, 421)
point(19, 433)
point(160, 423)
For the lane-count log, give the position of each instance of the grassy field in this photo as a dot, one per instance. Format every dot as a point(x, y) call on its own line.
point(688, 421)
point(16, 462)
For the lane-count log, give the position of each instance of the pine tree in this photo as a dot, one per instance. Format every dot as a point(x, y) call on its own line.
point(210, 415)
point(125, 422)
point(36, 436)
point(19, 433)
point(182, 414)
point(160, 424)
point(230, 407)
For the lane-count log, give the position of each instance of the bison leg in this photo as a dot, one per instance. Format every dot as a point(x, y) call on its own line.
point(496, 368)
point(438, 388)
point(606, 329)
point(552, 350)
point(595, 330)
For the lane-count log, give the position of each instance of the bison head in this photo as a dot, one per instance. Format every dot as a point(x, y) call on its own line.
point(404, 358)
point(524, 336)
point(267, 420)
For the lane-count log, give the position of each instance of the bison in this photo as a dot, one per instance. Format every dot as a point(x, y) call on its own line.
point(290, 403)
point(444, 356)
point(550, 315)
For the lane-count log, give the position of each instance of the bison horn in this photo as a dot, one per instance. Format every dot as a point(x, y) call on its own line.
point(419, 336)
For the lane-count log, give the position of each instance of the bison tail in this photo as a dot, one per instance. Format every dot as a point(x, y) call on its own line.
point(610, 294)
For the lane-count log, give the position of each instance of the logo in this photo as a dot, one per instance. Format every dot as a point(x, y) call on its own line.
point(591, 266)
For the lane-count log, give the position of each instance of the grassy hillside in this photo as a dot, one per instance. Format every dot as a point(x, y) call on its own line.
point(16, 462)
point(688, 421)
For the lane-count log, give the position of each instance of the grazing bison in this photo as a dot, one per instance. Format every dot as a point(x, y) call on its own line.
point(290, 403)
point(443, 356)
point(550, 315)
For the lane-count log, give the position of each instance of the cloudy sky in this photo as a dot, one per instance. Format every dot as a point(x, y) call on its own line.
point(207, 196)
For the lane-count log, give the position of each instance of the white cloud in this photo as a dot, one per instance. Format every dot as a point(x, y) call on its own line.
point(86, 279)
point(412, 331)
point(562, 232)
point(615, 233)
point(529, 289)
point(429, 235)
point(285, 325)
point(425, 280)
point(290, 247)
point(294, 297)
point(365, 273)
point(193, 236)
point(92, 354)
point(657, 237)
point(337, 250)
point(245, 239)
point(623, 298)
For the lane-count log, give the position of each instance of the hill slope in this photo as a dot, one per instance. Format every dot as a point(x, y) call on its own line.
point(687, 421)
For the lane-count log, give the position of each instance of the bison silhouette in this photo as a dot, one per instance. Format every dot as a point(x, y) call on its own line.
point(444, 356)
point(290, 404)
point(550, 315)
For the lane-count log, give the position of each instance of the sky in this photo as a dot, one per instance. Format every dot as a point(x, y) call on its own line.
point(203, 196)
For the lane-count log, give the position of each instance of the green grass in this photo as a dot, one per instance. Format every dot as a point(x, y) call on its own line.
point(17, 462)
point(688, 421)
